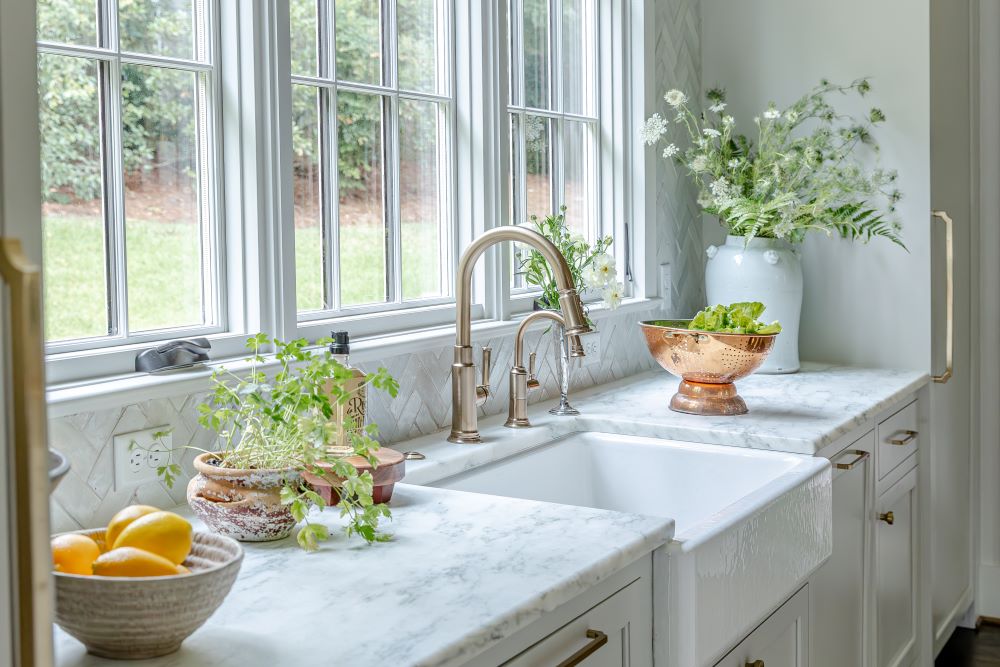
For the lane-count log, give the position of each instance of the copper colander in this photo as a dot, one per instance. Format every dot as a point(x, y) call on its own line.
point(708, 364)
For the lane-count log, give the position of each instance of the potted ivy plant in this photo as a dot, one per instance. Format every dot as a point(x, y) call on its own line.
point(802, 175)
point(274, 429)
point(593, 270)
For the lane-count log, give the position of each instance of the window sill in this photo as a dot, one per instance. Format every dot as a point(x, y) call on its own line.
point(118, 390)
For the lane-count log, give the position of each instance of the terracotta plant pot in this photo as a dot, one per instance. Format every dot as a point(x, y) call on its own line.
point(391, 468)
point(242, 504)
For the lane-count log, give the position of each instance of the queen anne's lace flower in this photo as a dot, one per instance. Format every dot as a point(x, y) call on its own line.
point(718, 107)
point(675, 98)
point(654, 128)
point(784, 229)
point(711, 132)
point(772, 113)
point(670, 151)
point(699, 163)
point(791, 115)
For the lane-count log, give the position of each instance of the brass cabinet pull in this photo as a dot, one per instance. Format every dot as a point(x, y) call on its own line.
point(597, 640)
point(949, 244)
point(860, 455)
point(888, 517)
point(29, 457)
point(755, 663)
point(908, 437)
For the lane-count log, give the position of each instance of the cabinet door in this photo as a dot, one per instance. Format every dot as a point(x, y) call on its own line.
point(896, 573)
point(615, 633)
point(780, 641)
point(837, 609)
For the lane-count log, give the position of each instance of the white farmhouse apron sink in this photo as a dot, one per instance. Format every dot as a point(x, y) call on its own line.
point(751, 525)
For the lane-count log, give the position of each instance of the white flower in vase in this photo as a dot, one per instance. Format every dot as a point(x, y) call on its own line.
point(613, 295)
point(675, 98)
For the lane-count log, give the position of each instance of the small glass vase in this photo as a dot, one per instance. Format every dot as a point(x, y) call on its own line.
point(564, 366)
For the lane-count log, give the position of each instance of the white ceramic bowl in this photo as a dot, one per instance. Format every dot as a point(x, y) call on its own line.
point(144, 617)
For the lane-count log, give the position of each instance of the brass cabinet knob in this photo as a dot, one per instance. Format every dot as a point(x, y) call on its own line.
point(887, 517)
point(755, 663)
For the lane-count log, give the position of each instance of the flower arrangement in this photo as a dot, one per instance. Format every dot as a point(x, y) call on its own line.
point(592, 266)
point(286, 422)
point(800, 176)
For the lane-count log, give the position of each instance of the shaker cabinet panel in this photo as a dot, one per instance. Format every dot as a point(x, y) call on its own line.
point(837, 606)
point(780, 641)
point(896, 573)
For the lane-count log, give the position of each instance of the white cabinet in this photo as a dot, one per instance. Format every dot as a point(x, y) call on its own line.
point(780, 641)
point(837, 608)
point(615, 633)
point(896, 573)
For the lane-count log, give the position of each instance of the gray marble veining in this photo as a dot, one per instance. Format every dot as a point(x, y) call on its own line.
point(462, 572)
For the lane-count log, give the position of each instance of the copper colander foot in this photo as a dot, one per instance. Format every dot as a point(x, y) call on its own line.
point(700, 398)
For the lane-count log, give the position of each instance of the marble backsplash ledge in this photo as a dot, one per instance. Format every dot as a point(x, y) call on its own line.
point(87, 496)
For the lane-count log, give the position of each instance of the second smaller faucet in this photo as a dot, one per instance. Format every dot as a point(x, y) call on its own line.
point(521, 380)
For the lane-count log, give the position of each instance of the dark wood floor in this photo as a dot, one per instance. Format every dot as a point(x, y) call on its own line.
point(970, 648)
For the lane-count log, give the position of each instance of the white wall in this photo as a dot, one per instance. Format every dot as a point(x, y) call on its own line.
point(774, 50)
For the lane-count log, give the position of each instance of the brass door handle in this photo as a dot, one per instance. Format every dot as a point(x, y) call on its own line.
point(597, 640)
point(949, 244)
point(860, 455)
point(888, 517)
point(755, 663)
point(908, 437)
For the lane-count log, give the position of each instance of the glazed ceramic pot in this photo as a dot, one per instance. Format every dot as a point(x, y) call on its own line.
point(765, 270)
point(242, 504)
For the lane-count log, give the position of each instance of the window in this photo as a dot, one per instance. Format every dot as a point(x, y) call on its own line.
point(555, 127)
point(372, 140)
point(127, 100)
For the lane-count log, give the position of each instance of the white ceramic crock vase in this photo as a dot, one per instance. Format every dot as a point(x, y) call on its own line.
point(765, 270)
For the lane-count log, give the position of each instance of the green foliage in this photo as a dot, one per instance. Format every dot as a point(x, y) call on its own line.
point(800, 176)
point(737, 318)
point(591, 265)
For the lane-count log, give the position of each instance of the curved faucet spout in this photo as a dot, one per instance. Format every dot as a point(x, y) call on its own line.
point(464, 420)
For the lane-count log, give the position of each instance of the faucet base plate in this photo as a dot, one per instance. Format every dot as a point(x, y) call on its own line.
point(465, 437)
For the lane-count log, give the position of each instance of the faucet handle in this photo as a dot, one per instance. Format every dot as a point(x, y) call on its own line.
point(533, 382)
point(483, 390)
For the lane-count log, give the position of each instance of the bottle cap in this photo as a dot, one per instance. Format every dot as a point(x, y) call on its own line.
point(341, 342)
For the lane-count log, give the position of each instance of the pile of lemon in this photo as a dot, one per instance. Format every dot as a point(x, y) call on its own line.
point(140, 541)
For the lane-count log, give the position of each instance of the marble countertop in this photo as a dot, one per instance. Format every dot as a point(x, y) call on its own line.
point(799, 413)
point(462, 572)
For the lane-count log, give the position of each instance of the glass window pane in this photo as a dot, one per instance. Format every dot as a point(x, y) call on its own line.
point(160, 27)
point(306, 174)
point(163, 228)
point(537, 54)
point(538, 166)
point(68, 21)
point(76, 290)
point(579, 168)
point(361, 219)
point(420, 199)
point(418, 35)
point(359, 40)
point(578, 54)
point(304, 24)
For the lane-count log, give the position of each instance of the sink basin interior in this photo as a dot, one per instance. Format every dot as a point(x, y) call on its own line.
point(684, 481)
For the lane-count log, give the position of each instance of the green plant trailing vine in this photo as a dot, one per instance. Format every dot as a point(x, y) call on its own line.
point(286, 421)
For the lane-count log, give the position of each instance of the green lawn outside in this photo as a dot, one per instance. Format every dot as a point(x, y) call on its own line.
point(164, 274)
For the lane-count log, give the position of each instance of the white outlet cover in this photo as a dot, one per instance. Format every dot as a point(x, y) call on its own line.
point(591, 348)
point(137, 464)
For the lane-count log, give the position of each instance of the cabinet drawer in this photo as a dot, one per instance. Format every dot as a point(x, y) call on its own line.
point(615, 633)
point(897, 439)
point(780, 641)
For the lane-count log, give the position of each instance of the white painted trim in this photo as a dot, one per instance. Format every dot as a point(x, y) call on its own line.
point(122, 390)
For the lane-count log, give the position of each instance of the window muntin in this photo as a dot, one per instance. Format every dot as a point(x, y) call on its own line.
point(372, 142)
point(553, 117)
point(131, 231)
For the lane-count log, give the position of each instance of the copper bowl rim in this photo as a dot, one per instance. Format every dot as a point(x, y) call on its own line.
point(681, 327)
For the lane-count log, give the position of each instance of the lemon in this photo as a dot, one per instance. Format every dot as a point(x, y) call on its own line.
point(133, 562)
point(124, 518)
point(74, 554)
point(162, 533)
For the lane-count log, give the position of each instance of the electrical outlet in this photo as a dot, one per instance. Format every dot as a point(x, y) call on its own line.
point(591, 348)
point(136, 464)
point(666, 287)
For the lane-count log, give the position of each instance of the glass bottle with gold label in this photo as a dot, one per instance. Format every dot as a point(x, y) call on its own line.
point(354, 409)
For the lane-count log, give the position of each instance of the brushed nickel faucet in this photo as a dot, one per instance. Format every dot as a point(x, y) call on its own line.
point(522, 380)
point(466, 395)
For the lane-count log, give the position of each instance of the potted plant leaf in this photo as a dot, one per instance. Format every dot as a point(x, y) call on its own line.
point(272, 430)
point(803, 174)
point(593, 269)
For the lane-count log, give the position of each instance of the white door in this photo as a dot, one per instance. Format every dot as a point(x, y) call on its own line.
point(951, 504)
point(837, 610)
point(896, 574)
point(25, 590)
